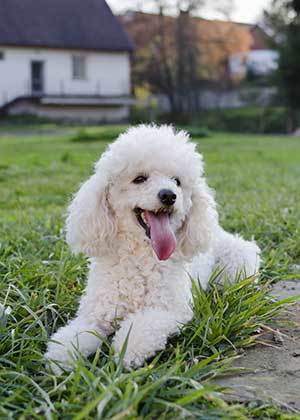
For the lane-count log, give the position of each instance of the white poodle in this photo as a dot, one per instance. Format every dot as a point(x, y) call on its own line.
point(147, 221)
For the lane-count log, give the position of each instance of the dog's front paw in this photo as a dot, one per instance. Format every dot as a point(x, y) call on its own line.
point(143, 334)
point(130, 360)
point(132, 352)
point(58, 358)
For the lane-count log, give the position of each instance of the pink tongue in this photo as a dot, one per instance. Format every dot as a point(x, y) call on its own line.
point(162, 237)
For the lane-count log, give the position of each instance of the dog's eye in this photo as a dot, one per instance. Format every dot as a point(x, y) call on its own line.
point(177, 180)
point(140, 179)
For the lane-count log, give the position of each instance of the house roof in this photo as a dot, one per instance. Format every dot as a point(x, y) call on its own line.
point(74, 24)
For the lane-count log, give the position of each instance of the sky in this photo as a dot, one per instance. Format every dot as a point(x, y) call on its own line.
point(247, 11)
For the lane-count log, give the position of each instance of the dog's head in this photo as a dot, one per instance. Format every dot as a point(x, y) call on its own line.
point(148, 186)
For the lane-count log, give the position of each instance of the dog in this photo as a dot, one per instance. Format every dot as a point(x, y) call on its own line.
point(147, 221)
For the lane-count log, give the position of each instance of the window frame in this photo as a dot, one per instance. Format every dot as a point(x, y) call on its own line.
point(79, 67)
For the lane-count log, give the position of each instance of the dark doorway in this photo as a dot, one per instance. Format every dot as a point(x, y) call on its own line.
point(37, 77)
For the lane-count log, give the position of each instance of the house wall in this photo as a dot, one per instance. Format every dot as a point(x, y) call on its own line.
point(237, 98)
point(108, 73)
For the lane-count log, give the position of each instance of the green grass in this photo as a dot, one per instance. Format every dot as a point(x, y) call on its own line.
point(257, 184)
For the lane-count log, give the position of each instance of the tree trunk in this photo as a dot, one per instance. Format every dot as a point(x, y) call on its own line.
point(290, 121)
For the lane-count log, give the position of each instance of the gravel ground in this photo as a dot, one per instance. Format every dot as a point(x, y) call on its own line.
point(272, 370)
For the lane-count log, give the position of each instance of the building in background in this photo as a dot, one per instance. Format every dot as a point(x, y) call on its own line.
point(234, 59)
point(64, 59)
point(228, 49)
point(258, 60)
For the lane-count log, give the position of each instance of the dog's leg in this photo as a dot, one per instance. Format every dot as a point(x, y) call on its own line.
point(78, 336)
point(147, 333)
point(235, 257)
point(238, 257)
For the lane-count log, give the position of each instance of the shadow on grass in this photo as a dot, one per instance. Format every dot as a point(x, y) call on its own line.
point(111, 133)
point(104, 134)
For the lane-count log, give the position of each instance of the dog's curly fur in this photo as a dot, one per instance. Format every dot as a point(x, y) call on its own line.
point(129, 288)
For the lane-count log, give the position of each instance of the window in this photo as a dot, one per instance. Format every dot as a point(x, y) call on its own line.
point(79, 67)
point(1, 55)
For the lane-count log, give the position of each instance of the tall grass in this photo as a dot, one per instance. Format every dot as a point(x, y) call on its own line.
point(256, 179)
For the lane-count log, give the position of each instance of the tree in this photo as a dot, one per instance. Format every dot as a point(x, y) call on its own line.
point(173, 66)
point(284, 21)
point(174, 53)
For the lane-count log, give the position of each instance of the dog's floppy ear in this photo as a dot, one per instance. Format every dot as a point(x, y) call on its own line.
point(200, 222)
point(90, 221)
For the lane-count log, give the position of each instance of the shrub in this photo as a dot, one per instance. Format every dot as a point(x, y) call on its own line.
point(240, 120)
point(105, 134)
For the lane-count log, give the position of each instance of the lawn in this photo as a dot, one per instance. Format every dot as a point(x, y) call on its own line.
point(256, 179)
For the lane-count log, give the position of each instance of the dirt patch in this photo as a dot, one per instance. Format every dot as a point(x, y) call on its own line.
point(271, 370)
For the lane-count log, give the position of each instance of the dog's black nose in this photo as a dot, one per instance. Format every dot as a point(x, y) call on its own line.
point(167, 197)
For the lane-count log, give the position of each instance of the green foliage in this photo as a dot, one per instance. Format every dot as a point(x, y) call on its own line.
point(284, 20)
point(254, 120)
point(256, 179)
point(289, 64)
point(239, 120)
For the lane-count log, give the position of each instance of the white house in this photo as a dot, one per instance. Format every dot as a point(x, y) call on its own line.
point(258, 62)
point(259, 59)
point(64, 59)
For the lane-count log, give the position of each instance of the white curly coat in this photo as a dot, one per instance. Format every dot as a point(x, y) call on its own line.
point(129, 289)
